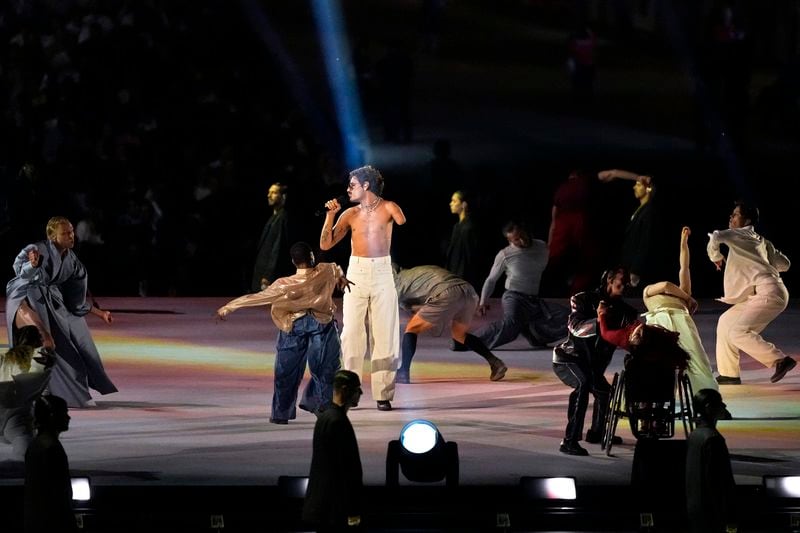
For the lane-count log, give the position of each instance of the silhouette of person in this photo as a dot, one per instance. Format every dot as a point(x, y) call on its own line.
point(24, 373)
point(572, 240)
point(335, 481)
point(444, 175)
point(273, 245)
point(464, 256)
point(303, 310)
point(642, 250)
point(710, 485)
point(438, 298)
point(48, 488)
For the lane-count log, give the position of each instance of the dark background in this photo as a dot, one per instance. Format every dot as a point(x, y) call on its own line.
point(163, 124)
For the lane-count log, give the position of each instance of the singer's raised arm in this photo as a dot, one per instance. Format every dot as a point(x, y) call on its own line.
point(332, 234)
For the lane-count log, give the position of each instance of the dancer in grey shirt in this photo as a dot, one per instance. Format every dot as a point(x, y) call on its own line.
point(524, 313)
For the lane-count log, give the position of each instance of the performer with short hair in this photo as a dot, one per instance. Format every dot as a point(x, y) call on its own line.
point(303, 310)
point(373, 301)
point(50, 292)
point(755, 290)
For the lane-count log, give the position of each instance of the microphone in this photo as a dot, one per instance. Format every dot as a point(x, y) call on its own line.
point(321, 212)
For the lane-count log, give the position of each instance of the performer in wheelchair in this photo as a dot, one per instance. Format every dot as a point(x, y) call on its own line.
point(646, 344)
point(654, 356)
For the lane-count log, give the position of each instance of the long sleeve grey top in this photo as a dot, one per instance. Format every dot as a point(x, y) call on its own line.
point(523, 268)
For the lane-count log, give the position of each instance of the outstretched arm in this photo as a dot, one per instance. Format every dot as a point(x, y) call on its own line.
point(684, 275)
point(608, 175)
point(265, 297)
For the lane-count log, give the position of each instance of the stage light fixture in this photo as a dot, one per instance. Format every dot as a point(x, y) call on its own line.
point(293, 486)
point(782, 486)
point(423, 455)
point(81, 489)
point(548, 488)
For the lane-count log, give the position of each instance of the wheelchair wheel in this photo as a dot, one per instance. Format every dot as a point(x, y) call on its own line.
point(614, 411)
point(686, 394)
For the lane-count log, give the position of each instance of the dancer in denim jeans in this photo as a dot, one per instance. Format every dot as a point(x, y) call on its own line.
point(303, 310)
point(371, 307)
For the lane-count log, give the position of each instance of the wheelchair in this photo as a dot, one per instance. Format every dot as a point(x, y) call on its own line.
point(646, 394)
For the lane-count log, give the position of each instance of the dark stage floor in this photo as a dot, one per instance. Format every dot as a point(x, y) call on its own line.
point(192, 411)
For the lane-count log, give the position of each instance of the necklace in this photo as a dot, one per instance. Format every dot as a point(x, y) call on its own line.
point(371, 207)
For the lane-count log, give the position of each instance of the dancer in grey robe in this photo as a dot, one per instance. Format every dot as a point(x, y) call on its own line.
point(49, 291)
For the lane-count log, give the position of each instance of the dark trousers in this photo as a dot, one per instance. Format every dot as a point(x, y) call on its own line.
point(530, 316)
point(601, 390)
point(316, 343)
point(579, 376)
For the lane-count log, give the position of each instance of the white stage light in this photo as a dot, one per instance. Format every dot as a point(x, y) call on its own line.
point(419, 436)
point(782, 486)
point(549, 488)
point(81, 489)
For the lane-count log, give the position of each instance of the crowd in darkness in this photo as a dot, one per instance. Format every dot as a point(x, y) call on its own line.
point(156, 128)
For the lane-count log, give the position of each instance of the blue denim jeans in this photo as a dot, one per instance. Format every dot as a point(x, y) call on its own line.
point(316, 343)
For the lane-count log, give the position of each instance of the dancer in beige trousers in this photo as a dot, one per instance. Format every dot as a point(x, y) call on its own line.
point(370, 310)
point(754, 288)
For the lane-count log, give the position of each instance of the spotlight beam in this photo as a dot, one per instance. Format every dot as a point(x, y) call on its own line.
point(341, 77)
point(255, 14)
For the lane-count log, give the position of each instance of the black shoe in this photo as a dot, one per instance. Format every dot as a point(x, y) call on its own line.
point(783, 366)
point(456, 346)
point(402, 377)
point(281, 421)
point(596, 438)
point(729, 380)
point(384, 405)
point(499, 369)
point(572, 448)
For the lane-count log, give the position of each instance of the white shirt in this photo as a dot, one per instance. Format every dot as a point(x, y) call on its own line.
point(752, 260)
